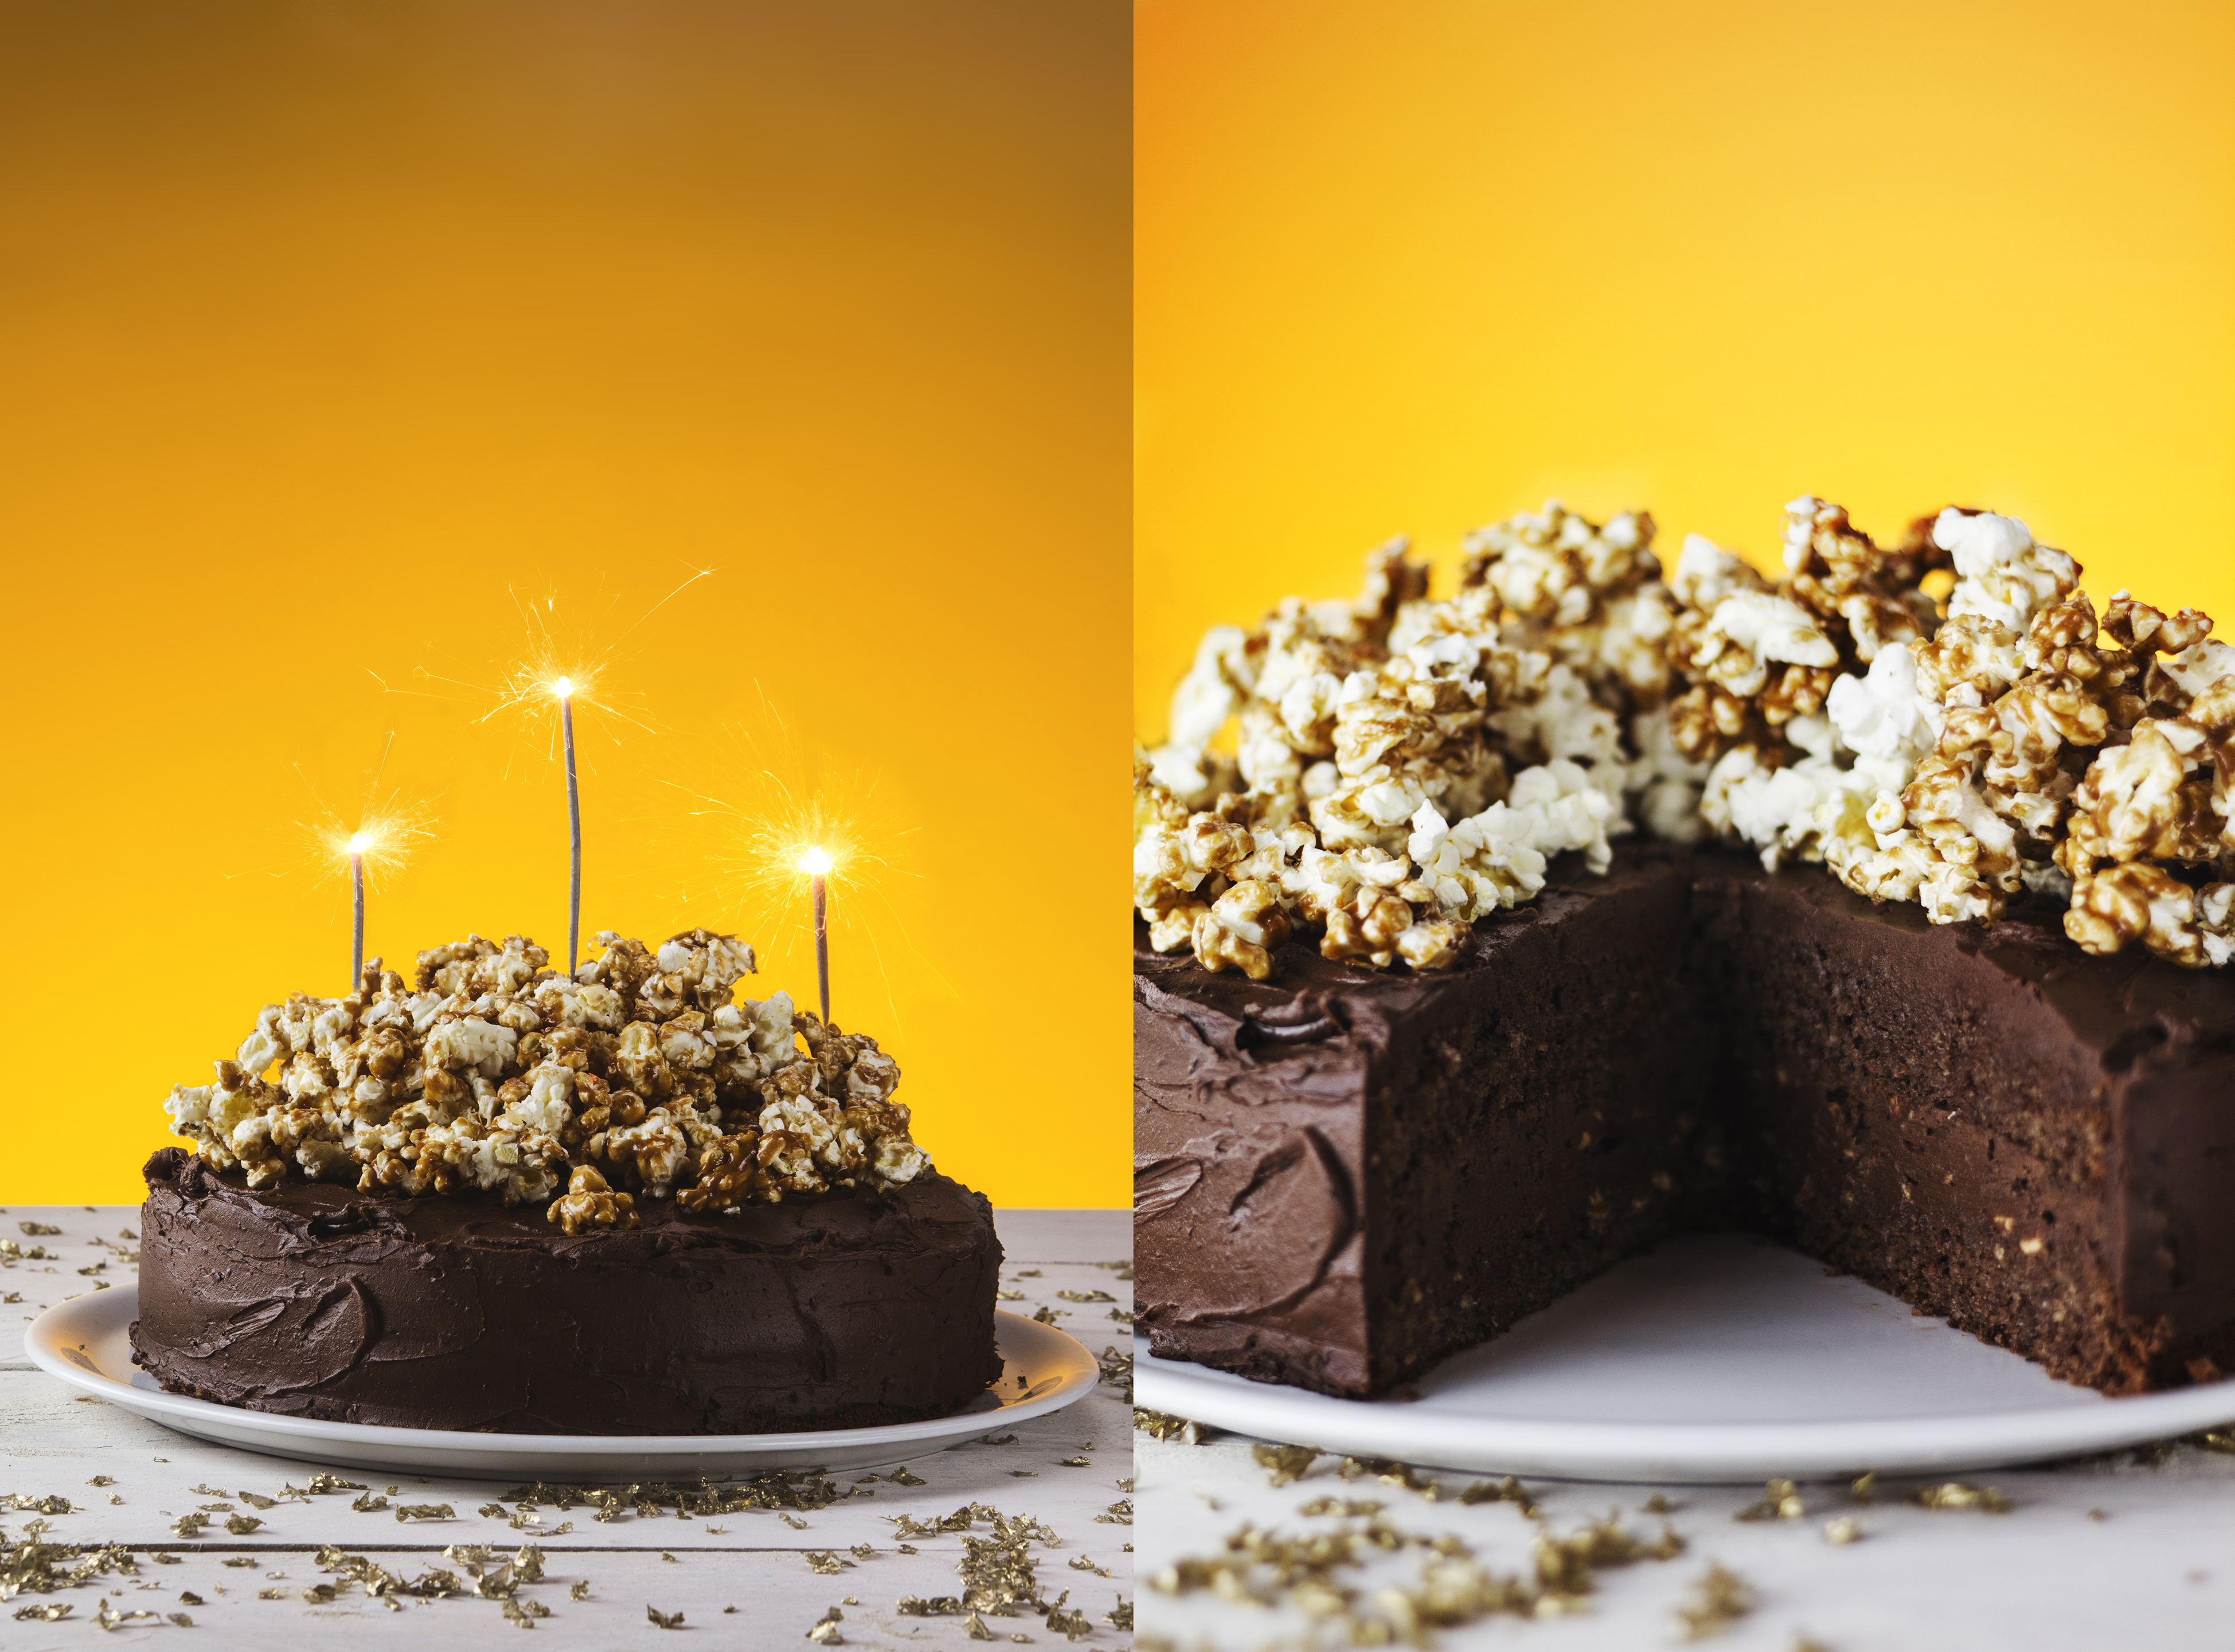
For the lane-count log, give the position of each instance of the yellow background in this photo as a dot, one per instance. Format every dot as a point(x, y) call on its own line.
point(326, 326)
point(1413, 267)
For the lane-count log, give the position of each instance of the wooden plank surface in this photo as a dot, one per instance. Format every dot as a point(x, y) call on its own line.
point(54, 1444)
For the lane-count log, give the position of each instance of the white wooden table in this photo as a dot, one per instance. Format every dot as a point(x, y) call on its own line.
point(2136, 1550)
point(252, 1587)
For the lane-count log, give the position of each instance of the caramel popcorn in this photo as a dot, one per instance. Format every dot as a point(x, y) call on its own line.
point(642, 1074)
point(1402, 768)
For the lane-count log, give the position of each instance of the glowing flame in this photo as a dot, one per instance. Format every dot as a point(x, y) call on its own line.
point(383, 840)
point(815, 860)
point(563, 687)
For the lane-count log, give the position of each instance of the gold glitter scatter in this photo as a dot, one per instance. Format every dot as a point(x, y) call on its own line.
point(31, 1504)
point(319, 1594)
point(1780, 1500)
point(366, 1503)
point(1085, 1296)
point(421, 1511)
point(1954, 1494)
point(188, 1597)
point(238, 1560)
point(1121, 1513)
point(35, 1230)
point(974, 1625)
point(493, 1512)
point(825, 1632)
point(664, 1620)
point(1162, 1424)
point(908, 1549)
point(826, 1561)
point(1284, 1465)
point(1046, 1315)
point(1348, 1508)
point(256, 1501)
point(1121, 1316)
point(1008, 1296)
point(1117, 1370)
point(190, 1525)
point(323, 1481)
point(214, 1508)
point(902, 1477)
point(100, 1479)
point(241, 1525)
point(12, 1296)
point(1723, 1597)
point(162, 1559)
point(1509, 1490)
point(113, 1498)
point(1075, 1462)
point(1122, 1616)
point(204, 1491)
point(861, 1552)
point(579, 1591)
point(53, 1614)
point(524, 1612)
point(1082, 1563)
point(669, 1559)
point(270, 1594)
point(792, 1521)
point(182, 1620)
point(1864, 1487)
point(1842, 1530)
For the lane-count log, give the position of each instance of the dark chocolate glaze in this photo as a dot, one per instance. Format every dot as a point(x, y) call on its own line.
point(1343, 1176)
point(319, 1301)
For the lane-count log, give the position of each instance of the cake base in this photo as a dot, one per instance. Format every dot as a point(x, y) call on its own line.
point(319, 1301)
point(1342, 1176)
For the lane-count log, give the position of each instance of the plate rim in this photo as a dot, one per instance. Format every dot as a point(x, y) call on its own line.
point(1672, 1452)
point(112, 1310)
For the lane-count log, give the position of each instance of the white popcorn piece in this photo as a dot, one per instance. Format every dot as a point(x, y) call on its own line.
point(2002, 575)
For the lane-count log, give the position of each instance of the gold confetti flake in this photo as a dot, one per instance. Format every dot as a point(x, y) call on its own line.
point(580, 1590)
point(827, 1562)
point(53, 1614)
point(182, 1620)
point(100, 1479)
point(1162, 1424)
point(1842, 1529)
point(1954, 1494)
point(1085, 1296)
point(323, 1481)
point(1046, 1315)
point(424, 1511)
point(1284, 1465)
point(1004, 1294)
point(1780, 1500)
point(366, 1503)
point(241, 1525)
point(188, 1597)
point(861, 1552)
point(1075, 1462)
point(1722, 1598)
point(1864, 1487)
point(664, 1620)
point(35, 1230)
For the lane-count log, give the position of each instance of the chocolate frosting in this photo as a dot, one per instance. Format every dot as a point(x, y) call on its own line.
point(1342, 1175)
point(316, 1300)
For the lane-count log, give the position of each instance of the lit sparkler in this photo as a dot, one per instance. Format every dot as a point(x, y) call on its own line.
point(377, 846)
point(550, 677)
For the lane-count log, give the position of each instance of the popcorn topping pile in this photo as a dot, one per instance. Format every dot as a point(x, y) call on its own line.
point(492, 1073)
point(1403, 767)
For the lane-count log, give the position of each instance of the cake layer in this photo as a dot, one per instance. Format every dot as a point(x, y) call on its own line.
point(317, 1300)
point(1344, 1176)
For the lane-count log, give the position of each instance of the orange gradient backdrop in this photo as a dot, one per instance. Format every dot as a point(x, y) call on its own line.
point(1414, 267)
point(333, 332)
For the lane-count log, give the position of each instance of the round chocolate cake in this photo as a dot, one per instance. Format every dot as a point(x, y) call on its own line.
point(620, 1200)
point(849, 1310)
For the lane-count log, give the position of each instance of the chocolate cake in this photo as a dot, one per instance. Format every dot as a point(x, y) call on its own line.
point(317, 1301)
point(1344, 1176)
point(625, 1200)
point(1881, 907)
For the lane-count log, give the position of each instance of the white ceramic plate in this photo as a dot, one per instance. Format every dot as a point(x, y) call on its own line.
point(1716, 1359)
point(84, 1342)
